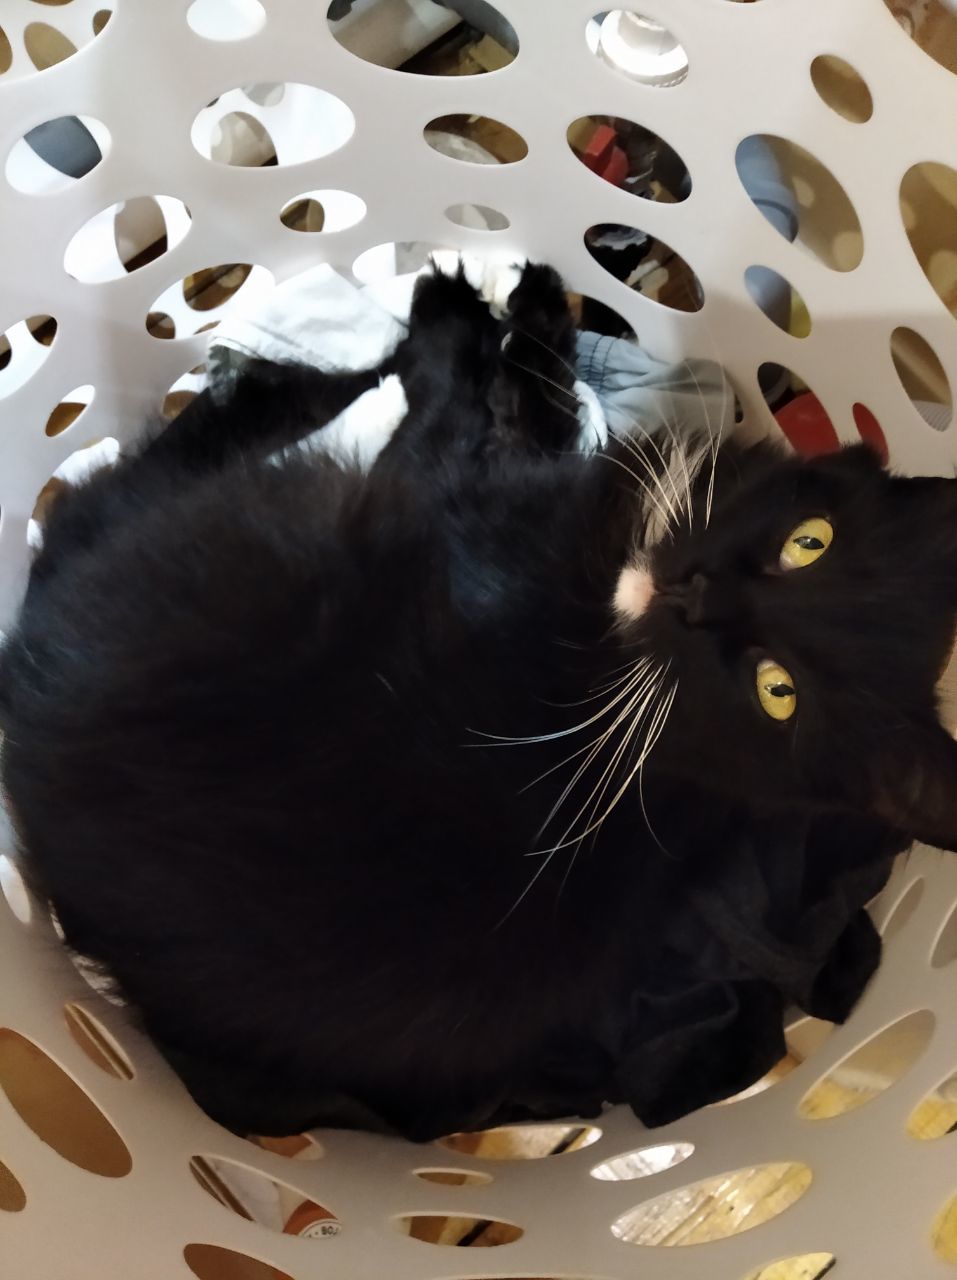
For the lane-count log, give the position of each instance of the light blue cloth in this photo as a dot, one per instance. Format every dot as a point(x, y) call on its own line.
point(640, 394)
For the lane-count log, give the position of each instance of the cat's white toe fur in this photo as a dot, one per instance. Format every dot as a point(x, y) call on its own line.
point(369, 422)
point(493, 281)
point(363, 429)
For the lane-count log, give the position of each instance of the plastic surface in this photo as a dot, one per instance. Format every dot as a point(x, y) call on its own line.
point(157, 86)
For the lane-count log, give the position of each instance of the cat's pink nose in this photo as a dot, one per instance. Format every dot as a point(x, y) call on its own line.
point(634, 592)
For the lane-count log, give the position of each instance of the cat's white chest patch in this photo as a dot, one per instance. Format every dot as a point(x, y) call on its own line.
point(634, 592)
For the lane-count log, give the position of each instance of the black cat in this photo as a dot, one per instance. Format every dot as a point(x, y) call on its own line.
point(488, 779)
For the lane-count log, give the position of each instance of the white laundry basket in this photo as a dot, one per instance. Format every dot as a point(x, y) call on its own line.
point(101, 1151)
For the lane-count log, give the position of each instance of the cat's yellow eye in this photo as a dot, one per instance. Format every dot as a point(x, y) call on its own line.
point(775, 690)
point(806, 543)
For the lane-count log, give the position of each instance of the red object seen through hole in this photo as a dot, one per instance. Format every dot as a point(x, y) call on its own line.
point(810, 432)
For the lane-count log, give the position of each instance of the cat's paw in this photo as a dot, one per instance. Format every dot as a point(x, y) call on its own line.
point(493, 281)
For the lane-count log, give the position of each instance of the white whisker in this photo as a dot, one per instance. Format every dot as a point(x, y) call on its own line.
point(601, 786)
point(564, 842)
point(654, 733)
point(655, 728)
point(644, 810)
point(635, 452)
point(596, 749)
point(655, 506)
point(559, 733)
point(649, 438)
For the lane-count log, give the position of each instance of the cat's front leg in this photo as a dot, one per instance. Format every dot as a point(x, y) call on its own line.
point(494, 280)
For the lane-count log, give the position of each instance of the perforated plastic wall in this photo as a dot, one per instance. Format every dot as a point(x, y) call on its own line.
point(77, 1199)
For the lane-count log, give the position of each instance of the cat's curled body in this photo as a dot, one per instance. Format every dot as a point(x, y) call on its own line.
point(266, 719)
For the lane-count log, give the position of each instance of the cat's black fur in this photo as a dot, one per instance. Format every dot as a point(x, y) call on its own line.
point(255, 722)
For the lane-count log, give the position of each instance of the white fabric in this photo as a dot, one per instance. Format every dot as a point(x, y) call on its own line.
point(316, 318)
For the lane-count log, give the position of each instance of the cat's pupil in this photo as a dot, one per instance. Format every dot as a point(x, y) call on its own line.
point(780, 691)
point(809, 542)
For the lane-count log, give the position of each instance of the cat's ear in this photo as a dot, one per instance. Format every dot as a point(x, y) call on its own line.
point(915, 788)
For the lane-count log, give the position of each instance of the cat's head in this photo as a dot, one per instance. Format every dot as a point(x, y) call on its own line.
point(803, 612)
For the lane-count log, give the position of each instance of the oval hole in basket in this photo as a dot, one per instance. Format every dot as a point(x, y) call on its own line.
point(199, 301)
point(496, 138)
point(825, 223)
point(936, 1113)
point(46, 46)
point(804, 422)
point(454, 1177)
point(227, 133)
point(100, 19)
point(323, 211)
point(265, 93)
point(251, 1194)
point(12, 1196)
point(928, 195)
point(70, 409)
point(215, 1262)
point(643, 1163)
point(223, 20)
point(242, 141)
point(212, 287)
point(6, 52)
point(598, 317)
point(638, 47)
point(14, 890)
point(139, 232)
point(409, 43)
point(183, 391)
point(932, 26)
point(523, 1141)
point(631, 157)
point(842, 88)
point(458, 1232)
point(922, 375)
point(944, 1233)
point(160, 325)
point(902, 910)
point(649, 266)
point(125, 237)
point(803, 1038)
point(871, 431)
point(57, 1109)
point(86, 139)
point(870, 1069)
point(477, 217)
point(804, 1266)
point(74, 468)
point(23, 351)
point(778, 299)
point(99, 1044)
point(43, 329)
point(945, 947)
point(298, 1146)
point(716, 1207)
